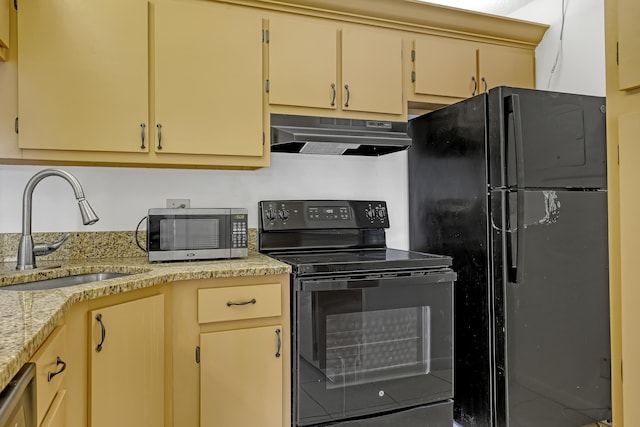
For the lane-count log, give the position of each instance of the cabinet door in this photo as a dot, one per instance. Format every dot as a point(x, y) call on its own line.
point(505, 66)
point(444, 67)
point(302, 62)
point(371, 71)
point(4, 28)
point(57, 414)
point(241, 378)
point(127, 370)
point(629, 155)
point(83, 74)
point(208, 79)
point(628, 44)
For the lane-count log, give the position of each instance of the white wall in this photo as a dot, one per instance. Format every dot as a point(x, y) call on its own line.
point(581, 67)
point(121, 196)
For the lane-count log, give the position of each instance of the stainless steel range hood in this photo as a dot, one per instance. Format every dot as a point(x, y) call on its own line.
point(327, 135)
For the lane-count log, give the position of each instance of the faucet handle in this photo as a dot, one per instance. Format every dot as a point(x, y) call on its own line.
point(46, 248)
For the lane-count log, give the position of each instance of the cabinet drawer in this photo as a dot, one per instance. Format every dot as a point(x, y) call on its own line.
point(239, 302)
point(50, 369)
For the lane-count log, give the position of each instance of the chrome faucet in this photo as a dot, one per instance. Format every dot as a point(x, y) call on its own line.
point(27, 251)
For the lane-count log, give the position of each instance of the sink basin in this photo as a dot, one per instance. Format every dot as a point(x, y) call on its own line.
point(62, 282)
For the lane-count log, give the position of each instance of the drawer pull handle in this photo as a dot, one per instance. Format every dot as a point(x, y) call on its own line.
point(103, 331)
point(279, 343)
point(59, 361)
point(252, 301)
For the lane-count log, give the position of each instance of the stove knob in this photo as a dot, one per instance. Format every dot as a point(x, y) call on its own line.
point(381, 212)
point(284, 214)
point(370, 213)
point(270, 214)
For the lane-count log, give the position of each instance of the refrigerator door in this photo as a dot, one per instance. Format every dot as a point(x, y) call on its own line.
point(449, 215)
point(540, 139)
point(553, 359)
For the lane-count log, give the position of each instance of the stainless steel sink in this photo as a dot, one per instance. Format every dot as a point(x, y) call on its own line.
point(62, 282)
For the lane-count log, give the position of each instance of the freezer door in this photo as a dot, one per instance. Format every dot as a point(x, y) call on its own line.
point(553, 351)
point(540, 139)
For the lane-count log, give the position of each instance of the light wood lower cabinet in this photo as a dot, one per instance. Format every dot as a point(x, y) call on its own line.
point(241, 377)
point(211, 352)
point(231, 352)
point(51, 370)
point(127, 364)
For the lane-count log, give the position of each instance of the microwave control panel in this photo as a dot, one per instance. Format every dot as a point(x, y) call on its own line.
point(239, 231)
point(322, 214)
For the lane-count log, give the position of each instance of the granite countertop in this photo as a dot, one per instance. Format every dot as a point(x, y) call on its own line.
point(28, 317)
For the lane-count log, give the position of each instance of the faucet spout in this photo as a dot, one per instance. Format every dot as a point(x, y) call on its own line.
point(26, 253)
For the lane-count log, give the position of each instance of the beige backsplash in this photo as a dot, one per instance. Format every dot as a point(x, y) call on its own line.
point(86, 245)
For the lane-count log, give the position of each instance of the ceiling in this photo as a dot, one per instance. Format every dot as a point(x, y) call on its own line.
point(495, 7)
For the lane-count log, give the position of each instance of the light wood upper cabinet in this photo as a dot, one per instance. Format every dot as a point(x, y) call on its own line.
point(83, 75)
point(241, 377)
point(444, 67)
point(628, 44)
point(208, 79)
point(4, 28)
point(303, 62)
point(127, 364)
point(459, 68)
point(505, 66)
point(321, 64)
point(371, 71)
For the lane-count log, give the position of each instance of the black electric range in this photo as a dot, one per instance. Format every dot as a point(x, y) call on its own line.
point(372, 326)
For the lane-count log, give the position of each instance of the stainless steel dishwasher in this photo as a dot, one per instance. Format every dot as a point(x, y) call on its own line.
point(18, 399)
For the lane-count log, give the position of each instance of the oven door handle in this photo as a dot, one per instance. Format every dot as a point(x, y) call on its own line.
point(378, 281)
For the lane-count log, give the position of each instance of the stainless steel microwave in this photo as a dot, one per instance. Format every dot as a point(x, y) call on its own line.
point(196, 234)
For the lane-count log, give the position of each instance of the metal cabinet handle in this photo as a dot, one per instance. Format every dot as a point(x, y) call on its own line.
point(333, 98)
point(475, 85)
point(159, 126)
point(142, 135)
point(59, 361)
point(346, 104)
point(251, 301)
point(486, 86)
point(104, 332)
point(279, 343)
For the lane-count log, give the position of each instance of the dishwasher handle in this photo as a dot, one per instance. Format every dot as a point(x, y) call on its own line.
point(19, 396)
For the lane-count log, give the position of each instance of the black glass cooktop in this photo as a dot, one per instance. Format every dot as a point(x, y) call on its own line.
point(362, 260)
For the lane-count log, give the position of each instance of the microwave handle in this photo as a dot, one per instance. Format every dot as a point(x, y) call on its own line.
point(377, 281)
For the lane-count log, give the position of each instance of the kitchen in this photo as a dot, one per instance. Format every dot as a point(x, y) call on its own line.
point(111, 190)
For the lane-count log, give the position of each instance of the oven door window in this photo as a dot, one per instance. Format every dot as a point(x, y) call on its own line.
point(372, 345)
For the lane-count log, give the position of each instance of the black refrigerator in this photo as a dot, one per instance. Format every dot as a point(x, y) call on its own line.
point(512, 184)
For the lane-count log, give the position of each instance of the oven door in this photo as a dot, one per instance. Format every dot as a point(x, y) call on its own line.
point(372, 344)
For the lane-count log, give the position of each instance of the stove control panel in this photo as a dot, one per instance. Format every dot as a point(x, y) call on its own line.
point(322, 214)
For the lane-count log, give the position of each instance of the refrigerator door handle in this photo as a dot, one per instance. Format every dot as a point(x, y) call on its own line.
point(512, 236)
point(512, 103)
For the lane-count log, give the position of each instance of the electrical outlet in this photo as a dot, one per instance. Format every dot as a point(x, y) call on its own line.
point(178, 203)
